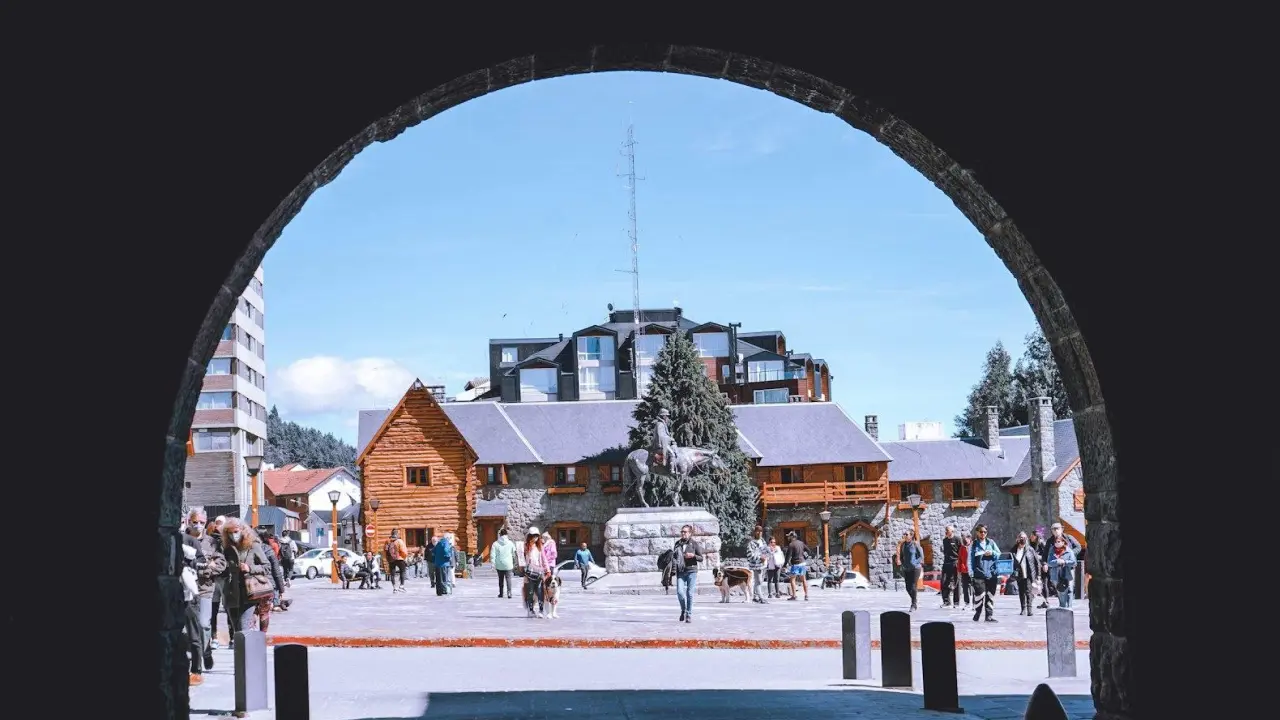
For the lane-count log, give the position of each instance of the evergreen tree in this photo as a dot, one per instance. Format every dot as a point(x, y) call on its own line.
point(1036, 375)
point(995, 388)
point(700, 417)
point(288, 442)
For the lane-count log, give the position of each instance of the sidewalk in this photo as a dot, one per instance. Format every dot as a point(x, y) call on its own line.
point(446, 684)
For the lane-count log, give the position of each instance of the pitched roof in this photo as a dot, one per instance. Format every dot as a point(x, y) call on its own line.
point(546, 354)
point(269, 515)
point(564, 433)
point(953, 459)
point(416, 386)
point(325, 516)
point(297, 482)
point(806, 434)
point(484, 425)
point(1066, 450)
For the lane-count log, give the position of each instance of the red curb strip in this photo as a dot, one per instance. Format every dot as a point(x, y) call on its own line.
point(615, 644)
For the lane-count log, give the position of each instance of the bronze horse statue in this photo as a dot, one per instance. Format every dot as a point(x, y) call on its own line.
point(639, 465)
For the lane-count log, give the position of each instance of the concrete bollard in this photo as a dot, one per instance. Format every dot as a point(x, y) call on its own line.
point(895, 650)
point(938, 667)
point(1060, 640)
point(293, 695)
point(855, 644)
point(251, 671)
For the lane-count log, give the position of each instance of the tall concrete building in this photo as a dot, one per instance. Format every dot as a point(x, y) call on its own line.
point(231, 418)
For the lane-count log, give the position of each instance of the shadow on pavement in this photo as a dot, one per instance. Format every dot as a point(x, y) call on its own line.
point(722, 705)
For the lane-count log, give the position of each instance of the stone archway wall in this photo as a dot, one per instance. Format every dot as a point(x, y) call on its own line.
point(1109, 663)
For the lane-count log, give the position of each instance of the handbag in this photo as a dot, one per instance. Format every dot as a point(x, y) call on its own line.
point(258, 587)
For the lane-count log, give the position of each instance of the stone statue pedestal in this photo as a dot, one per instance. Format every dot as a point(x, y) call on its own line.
point(635, 537)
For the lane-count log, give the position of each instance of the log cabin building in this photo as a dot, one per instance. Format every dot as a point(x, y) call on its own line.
point(595, 362)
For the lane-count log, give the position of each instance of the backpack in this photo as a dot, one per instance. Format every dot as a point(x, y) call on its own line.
point(664, 559)
point(286, 551)
point(392, 551)
point(275, 547)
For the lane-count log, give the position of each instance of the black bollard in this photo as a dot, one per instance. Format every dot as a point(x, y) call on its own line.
point(855, 644)
point(251, 671)
point(895, 650)
point(938, 667)
point(293, 696)
point(1044, 705)
point(1060, 640)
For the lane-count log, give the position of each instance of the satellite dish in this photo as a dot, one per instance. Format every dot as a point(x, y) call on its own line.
point(610, 307)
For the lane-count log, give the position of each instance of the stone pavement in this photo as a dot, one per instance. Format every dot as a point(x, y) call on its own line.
point(474, 614)
point(456, 683)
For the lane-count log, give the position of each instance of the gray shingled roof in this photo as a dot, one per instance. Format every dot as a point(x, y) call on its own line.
point(491, 508)
point(1066, 450)
point(548, 354)
point(483, 424)
point(952, 459)
point(805, 434)
point(564, 433)
point(747, 350)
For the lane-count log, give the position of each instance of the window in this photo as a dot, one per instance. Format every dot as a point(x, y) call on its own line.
point(962, 490)
point(570, 535)
point(908, 489)
point(493, 475)
point(566, 475)
point(1016, 499)
point(589, 379)
point(764, 370)
point(589, 348)
point(615, 475)
point(509, 354)
point(219, 366)
point(713, 344)
point(643, 378)
point(648, 346)
point(229, 332)
point(256, 285)
point(1077, 500)
point(854, 473)
point(252, 444)
point(538, 381)
point(209, 440)
point(215, 401)
point(770, 397)
point(792, 475)
point(420, 476)
point(415, 537)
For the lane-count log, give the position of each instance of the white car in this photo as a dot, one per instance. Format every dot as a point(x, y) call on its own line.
point(571, 573)
point(853, 580)
point(319, 561)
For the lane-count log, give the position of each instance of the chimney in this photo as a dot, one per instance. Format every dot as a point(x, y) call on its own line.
point(872, 426)
point(561, 337)
point(993, 428)
point(1040, 415)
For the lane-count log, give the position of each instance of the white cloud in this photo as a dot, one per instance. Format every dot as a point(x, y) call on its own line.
point(325, 384)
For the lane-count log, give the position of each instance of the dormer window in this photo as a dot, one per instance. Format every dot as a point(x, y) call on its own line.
point(510, 354)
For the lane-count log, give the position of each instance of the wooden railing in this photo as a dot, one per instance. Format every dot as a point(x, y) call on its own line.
point(825, 492)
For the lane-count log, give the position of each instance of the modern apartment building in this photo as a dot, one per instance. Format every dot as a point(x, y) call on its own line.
point(231, 417)
point(596, 363)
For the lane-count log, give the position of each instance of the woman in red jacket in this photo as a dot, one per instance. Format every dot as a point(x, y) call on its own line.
point(962, 566)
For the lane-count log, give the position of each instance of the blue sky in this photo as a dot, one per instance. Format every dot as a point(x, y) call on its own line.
point(506, 217)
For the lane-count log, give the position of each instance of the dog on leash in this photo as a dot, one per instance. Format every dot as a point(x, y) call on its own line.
point(551, 596)
point(727, 579)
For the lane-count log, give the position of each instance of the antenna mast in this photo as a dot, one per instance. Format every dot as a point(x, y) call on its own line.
point(633, 235)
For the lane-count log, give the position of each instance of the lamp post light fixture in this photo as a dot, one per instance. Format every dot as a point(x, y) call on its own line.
point(334, 496)
point(914, 501)
point(825, 517)
point(253, 463)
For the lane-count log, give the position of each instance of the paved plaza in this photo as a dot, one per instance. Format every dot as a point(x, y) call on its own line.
point(457, 683)
point(322, 611)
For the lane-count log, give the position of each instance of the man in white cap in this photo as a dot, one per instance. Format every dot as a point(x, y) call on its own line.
point(1072, 544)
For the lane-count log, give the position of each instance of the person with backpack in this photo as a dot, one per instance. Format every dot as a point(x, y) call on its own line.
point(443, 556)
point(395, 552)
point(288, 551)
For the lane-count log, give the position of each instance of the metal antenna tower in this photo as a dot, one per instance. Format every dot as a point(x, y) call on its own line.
point(629, 148)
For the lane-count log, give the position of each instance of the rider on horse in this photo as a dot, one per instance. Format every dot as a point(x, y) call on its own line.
point(663, 446)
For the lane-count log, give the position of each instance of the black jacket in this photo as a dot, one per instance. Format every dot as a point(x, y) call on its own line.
point(950, 551)
point(677, 555)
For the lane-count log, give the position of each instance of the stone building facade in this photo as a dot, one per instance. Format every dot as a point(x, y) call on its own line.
point(531, 502)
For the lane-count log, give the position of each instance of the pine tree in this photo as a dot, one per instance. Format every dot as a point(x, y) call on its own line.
point(288, 442)
point(996, 388)
point(1036, 375)
point(700, 417)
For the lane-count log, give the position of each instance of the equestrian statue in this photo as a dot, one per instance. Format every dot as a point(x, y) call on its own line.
point(664, 458)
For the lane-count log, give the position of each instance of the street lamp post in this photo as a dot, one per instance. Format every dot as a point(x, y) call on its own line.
point(373, 506)
point(914, 501)
point(253, 463)
point(334, 495)
point(825, 517)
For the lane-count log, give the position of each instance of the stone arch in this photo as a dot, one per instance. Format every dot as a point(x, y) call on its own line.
point(1109, 659)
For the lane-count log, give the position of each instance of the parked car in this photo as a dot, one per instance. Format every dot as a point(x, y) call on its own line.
point(318, 561)
point(594, 573)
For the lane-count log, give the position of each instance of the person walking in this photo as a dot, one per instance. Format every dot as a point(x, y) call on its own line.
point(797, 567)
point(395, 552)
point(1039, 547)
point(982, 562)
point(950, 567)
point(443, 554)
point(503, 554)
point(245, 557)
point(962, 567)
point(1026, 568)
point(429, 554)
point(1062, 569)
point(685, 556)
point(288, 551)
point(583, 561)
point(210, 566)
point(757, 558)
point(910, 563)
point(535, 571)
point(1055, 532)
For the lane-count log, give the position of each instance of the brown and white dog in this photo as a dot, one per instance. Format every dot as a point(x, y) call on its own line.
point(551, 596)
point(729, 578)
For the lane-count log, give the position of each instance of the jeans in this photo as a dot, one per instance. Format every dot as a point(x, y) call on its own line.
point(585, 569)
point(213, 622)
point(1064, 597)
point(775, 589)
point(397, 566)
point(431, 573)
point(444, 579)
point(504, 582)
point(532, 590)
point(205, 613)
point(757, 581)
point(911, 578)
point(950, 586)
point(686, 585)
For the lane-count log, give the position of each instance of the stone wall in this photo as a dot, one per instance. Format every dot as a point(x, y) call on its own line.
point(529, 503)
point(1066, 508)
point(635, 538)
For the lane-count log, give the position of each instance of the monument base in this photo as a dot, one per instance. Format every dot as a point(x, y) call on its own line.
point(635, 537)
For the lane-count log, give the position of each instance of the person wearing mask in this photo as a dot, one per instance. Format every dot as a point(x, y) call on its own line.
point(1062, 568)
point(1055, 532)
point(271, 549)
point(797, 567)
point(214, 531)
point(982, 562)
point(757, 558)
point(1037, 545)
point(536, 571)
point(685, 557)
point(962, 567)
point(583, 561)
point(503, 554)
point(395, 552)
point(210, 566)
point(774, 562)
point(195, 633)
point(1026, 568)
point(443, 555)
point(910, 565)
point(245, 556)
point(950, 574)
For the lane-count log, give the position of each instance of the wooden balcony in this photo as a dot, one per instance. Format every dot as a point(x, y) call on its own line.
point(825, 493)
